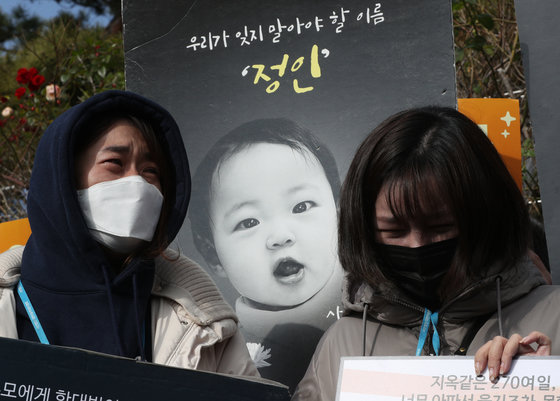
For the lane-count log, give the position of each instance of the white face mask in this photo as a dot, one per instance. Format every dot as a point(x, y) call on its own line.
point(121, 214)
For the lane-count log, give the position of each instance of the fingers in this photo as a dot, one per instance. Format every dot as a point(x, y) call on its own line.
point(497, 355)
point(511, 348)
point(541, 340)
point(481, 358)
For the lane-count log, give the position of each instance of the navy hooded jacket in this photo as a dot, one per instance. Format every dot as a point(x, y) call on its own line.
point(79, 301)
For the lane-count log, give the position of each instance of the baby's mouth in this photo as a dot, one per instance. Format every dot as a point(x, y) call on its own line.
point(289, 271)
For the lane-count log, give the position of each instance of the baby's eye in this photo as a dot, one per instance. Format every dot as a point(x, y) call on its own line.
point(303, 206)
point(246, 224)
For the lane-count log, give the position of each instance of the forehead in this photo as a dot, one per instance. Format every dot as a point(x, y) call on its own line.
point(266, 168)
point(409, 200)
point(121, 132)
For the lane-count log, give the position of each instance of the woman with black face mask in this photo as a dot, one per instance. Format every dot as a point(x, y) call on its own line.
point(434, 239)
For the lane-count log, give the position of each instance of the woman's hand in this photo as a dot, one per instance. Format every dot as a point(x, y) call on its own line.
point(498, 353)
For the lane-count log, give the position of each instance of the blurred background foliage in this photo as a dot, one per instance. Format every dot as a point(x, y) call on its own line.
point(70, 61)
point(78, 60)
point(488, 64)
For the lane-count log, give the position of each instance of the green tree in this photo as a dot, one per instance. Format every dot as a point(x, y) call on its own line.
point(100, 7)
point(488, 64)
point(64, 64)
point(18, 25)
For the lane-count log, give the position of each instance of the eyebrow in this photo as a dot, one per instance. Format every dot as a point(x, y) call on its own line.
point(388, 220)
point(126, 149)
point(116, 149)
point(238, 206)
point(301, 187)
point(437, 215)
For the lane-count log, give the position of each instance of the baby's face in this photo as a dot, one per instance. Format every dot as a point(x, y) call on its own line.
point(274, 224)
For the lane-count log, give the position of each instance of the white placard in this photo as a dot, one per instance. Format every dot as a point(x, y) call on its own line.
point(450, 378)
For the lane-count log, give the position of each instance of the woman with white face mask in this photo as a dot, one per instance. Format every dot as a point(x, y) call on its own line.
point(109, 191)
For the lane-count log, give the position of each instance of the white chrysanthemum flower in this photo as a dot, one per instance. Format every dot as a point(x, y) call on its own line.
point(258, 354)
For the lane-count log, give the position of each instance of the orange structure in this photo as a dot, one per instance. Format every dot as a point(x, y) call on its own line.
point(499, 119)
point(15, 232)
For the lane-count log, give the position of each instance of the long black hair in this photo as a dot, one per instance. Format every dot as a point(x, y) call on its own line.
point(428, 157)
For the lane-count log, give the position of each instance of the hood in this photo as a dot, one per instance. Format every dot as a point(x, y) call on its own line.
point(64, 270)
point(478, 298)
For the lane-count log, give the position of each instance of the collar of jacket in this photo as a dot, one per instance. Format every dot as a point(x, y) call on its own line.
point(389, 305)
point(186, 283)
point(176, 278)
point(10, 266)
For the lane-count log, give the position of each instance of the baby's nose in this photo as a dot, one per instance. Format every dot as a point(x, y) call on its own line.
point(280, 240)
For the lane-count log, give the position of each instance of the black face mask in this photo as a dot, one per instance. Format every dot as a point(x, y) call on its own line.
point(418, 271)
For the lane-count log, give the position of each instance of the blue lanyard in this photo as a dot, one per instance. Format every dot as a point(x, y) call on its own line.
point(429, 317)
point(32, 315)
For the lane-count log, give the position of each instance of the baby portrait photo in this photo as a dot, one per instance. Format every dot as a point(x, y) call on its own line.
point(264, 216)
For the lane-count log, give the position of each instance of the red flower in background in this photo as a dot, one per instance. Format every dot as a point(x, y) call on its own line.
point(22, 76)
point(20, 92)
point(3, 99)
point(25, 76)
point(30, 77)
point(36, 82)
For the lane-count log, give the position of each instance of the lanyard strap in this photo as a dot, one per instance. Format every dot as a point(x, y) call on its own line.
point(435, 335)
point(32, 315)
point(429, 317)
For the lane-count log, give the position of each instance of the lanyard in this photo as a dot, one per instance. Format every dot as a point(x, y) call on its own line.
point(429, 317)
point(31, 313)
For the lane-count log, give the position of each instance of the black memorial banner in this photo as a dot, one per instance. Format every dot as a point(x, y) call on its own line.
point(32, 371)
point(273, 98)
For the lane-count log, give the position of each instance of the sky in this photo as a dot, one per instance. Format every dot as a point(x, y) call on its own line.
point(49, 8)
